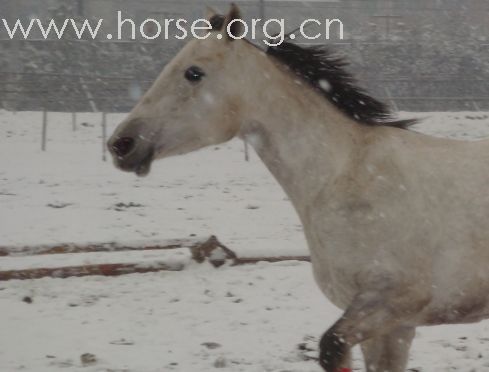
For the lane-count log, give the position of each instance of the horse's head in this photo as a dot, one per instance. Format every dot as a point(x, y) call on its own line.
point(194, 102)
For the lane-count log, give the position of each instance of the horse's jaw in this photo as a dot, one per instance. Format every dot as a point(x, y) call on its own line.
point(144, 167)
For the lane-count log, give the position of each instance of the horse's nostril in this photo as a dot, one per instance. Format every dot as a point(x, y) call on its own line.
point(123, 146)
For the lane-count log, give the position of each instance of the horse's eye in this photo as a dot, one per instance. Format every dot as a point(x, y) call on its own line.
point(194, 74)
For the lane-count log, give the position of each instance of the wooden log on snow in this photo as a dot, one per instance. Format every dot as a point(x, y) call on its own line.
point(218, 254)
point(100, 247)
point(117, 269)
point(88, 270)
point(202, 250)
point(254, 260)
point(213, 251)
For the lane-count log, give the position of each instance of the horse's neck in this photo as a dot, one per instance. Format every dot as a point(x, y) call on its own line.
point(302, 139)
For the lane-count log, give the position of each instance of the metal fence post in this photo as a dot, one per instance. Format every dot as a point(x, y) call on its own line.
point(262, 10)
point(246, 150)
point(73, 120)
point(44, 128)
point(392, 100)
point(104, 136)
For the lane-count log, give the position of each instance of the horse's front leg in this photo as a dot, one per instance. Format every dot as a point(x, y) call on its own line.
point(389, 352)
point(370, 315)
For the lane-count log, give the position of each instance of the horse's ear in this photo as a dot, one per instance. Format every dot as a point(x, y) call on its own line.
point(215, 19)
point(233, 24)
point(209, 12)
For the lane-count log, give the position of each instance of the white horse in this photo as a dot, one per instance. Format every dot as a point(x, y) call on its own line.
point(397, 222)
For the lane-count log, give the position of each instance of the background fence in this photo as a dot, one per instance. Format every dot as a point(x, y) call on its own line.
point(428, 55)
point(87, 93)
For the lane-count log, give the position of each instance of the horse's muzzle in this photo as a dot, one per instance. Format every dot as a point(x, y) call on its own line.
point(130, 155)
point(122, 146)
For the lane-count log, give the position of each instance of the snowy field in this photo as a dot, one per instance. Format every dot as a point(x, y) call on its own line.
point(249, 318)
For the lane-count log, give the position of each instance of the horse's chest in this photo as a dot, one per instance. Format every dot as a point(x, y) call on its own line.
point(333, 272)
point(337, 290)
point(349, 244)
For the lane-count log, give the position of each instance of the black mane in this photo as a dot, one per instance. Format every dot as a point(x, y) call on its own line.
point(326, 73)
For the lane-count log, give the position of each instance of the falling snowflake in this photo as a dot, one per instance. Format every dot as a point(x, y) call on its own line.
point(325, 85)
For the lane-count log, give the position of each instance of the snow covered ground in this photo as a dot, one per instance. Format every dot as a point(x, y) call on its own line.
point(248, 318)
